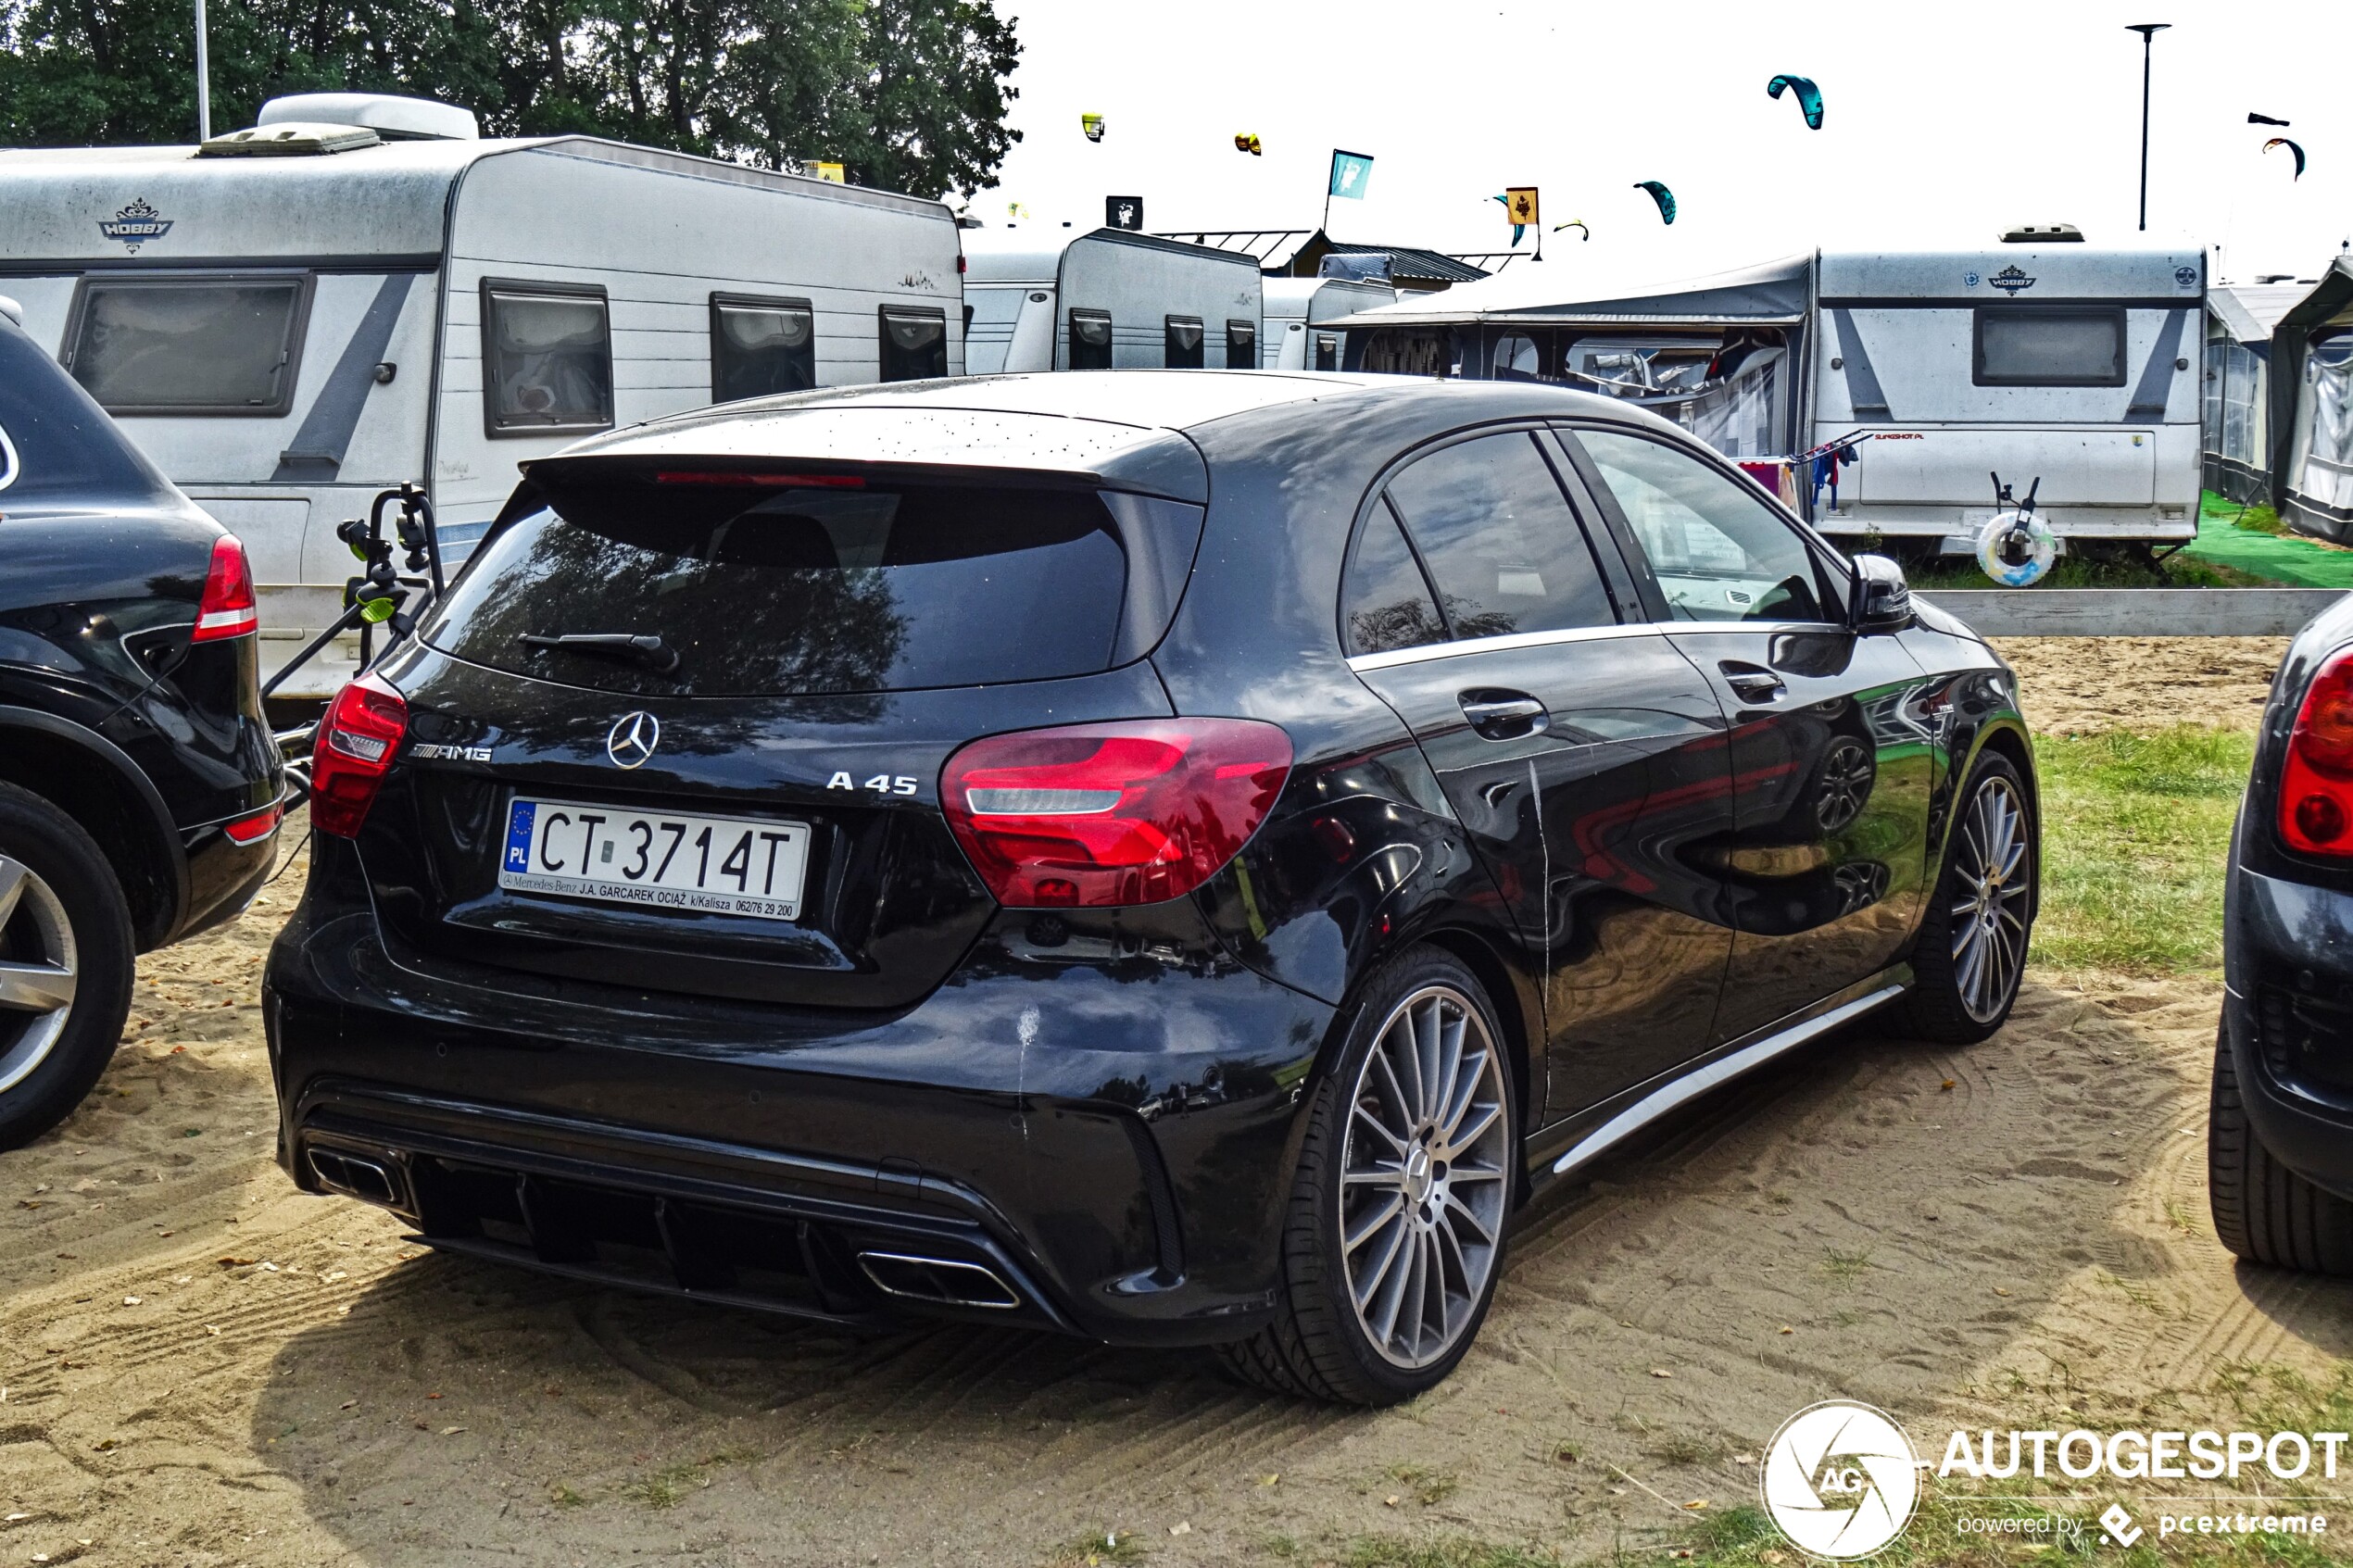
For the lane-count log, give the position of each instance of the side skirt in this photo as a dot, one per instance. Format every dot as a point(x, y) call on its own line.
point(1577, 1140)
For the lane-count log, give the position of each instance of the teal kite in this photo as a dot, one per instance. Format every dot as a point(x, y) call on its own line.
point(1810, 98)
point(1517, 229)
point(1661, 194)
point(2283, 142)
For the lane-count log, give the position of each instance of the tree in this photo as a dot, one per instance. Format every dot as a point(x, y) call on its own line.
point(908, 95)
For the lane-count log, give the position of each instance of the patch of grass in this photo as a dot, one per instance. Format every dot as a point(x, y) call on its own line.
point(1396, 1551)
point(1845, 1268)
point(2135, 832)
point(670, 1485)
point(564, 1497)
point(1685, 1448)
point(1429, 1487)
point(2081, 572)
point(2178, 1215)
point(2259, 520)
point(1101, 1546)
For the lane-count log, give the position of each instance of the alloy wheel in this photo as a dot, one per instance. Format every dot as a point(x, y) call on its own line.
point(38, 966)
point(1424, 1177)
point(1994, 882)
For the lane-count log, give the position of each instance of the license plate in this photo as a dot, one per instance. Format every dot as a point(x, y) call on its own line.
point(714, 865)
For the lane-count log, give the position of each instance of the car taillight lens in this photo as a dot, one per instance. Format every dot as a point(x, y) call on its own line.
point(2316, 787)
point(227, 608)
point(356, 741)
point(1090, 816)
point(253, 829)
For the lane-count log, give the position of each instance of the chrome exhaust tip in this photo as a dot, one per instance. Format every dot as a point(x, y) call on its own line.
point(945, 1282)
point(356, 1175)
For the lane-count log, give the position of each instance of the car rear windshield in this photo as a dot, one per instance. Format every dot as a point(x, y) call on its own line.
point(56, 446)
point(782, 585)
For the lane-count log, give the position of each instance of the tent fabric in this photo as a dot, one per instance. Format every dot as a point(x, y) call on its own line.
point(2309, 437)
point(2248, 312)
point(1774, 291)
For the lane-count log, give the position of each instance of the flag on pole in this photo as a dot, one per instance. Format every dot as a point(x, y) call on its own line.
point(1351, 173)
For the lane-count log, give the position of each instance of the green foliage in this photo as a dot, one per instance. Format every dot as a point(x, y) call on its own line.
point(908, 95)
point(2259, 520)
point(2135, 830)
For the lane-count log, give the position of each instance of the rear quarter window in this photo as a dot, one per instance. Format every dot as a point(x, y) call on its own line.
point(811, 588)
point(55, 444)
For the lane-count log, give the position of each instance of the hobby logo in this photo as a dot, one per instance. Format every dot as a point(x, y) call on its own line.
point(2009, 279)
point(135, 225)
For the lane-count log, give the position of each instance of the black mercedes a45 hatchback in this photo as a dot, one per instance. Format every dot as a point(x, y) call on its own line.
point(1178, 857)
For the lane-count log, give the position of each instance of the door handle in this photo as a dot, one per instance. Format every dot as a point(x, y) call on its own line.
point(1752, 683)
point(1504, 715)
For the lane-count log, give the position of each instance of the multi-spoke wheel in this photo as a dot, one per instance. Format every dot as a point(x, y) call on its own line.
point(1989, 917)
point(1423, 1179)
point(1972, 943)
point(38, 966)
point(1408, 1169)
point(65, 964)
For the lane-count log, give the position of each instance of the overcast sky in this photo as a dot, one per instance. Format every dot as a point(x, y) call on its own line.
point(1945, 124)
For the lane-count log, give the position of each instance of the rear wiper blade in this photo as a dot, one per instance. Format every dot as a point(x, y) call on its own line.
point(637, 648)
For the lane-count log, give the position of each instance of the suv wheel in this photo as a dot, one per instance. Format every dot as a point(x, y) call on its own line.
point(65, 965)
point(1972, 951)
point(1395, 1230)
point(2263, 1212)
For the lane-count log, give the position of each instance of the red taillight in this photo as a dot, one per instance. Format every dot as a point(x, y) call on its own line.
point(227, 607)
point(253, 829)
point(357, 740)
point(2316, 786)
point(1094, 815)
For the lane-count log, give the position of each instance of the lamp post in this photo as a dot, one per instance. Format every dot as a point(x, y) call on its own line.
point(204, 83)
point(2148, 32)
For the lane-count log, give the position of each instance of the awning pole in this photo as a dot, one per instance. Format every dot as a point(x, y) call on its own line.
point(204, 83)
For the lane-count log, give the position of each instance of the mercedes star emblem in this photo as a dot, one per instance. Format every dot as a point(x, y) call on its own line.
point(633, 738)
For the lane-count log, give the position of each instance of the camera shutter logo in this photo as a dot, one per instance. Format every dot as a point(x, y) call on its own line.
point(1840, 1480)
point(632, 740)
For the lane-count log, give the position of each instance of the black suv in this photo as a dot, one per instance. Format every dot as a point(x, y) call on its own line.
point(140, 791)
point(1173, 856)
point(2280, 1141)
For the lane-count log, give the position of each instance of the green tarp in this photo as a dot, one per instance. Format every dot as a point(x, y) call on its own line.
point(2288, 558)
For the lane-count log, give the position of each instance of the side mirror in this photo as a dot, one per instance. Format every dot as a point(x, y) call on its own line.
point(1881, 600)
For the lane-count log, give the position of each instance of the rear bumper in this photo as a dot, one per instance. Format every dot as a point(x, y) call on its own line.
point(2287, 1019)
point(1110, 1140)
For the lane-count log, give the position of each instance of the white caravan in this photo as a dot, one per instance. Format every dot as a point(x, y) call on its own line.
point(1107, 300)
point(2047, 360)
point(360, 293)
point(1299, 313)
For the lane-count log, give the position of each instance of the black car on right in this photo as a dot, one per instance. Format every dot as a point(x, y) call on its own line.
point(2279, 1144)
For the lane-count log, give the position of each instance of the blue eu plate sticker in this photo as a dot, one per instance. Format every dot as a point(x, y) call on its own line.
point(518, 820)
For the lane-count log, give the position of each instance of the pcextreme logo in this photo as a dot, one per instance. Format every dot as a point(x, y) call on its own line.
point(1840, 1480)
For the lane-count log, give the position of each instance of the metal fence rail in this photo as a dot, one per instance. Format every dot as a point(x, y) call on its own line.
point(2134, 612)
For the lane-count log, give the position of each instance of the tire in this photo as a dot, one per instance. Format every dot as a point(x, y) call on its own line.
point(1430, 1203)
point(2263, 1212)
point(1971, 950)
point(65, 957)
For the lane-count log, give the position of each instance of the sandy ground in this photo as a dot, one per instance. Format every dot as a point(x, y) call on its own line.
point(2081, 686)
point(202, 1366)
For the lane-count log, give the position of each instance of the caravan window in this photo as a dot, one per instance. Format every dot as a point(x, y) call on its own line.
point(1516, 358)
point(760, 346)
point(1184, 350)
point(1091, 340)
point(546, 359)
point(1327, 352)
point(914, 344)
point(188, 346)
point(2023, 345)
point(1242, 346)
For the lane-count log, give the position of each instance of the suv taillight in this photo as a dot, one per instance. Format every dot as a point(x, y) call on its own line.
point(1095, 815)
point(357, 740)
point(227, 607)
point(2316, 786)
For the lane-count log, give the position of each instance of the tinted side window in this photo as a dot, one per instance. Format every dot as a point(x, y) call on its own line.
point(760, 346)
point(1385, 602)
point(215, 346)
point(1502, 548)
point(1184, 345)
point(1242, 346)
point(547, 359)
point(914, 344)
point(1091, 340)
point(1718, 552)
point(54, 442)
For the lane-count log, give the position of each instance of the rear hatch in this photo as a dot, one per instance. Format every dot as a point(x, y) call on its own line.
point(742, 801)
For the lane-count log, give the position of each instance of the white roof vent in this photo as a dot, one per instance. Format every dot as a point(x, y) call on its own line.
point(289, 138)
point(394, 118)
